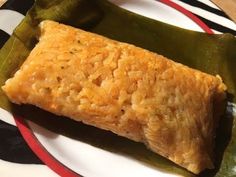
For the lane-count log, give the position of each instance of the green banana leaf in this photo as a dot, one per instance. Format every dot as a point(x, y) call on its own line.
point(214, 54)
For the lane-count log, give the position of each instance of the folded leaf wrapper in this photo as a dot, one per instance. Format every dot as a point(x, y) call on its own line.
point(214, 54)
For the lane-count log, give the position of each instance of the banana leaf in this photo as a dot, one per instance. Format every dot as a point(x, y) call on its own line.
point(214, 54)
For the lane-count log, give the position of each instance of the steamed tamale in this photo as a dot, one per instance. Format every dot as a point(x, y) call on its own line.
point(128, 90)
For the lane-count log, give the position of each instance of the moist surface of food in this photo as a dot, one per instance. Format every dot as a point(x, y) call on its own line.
point(125, 89)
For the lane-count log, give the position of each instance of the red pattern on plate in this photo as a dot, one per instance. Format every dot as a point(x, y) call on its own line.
point(189, 14)
point(41, 152)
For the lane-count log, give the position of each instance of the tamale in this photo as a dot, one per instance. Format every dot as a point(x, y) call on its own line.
point(128, 90)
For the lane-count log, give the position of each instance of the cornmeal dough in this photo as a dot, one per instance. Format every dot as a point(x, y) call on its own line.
point(125, 89)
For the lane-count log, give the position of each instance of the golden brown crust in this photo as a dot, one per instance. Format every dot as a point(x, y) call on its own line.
point(122, 88)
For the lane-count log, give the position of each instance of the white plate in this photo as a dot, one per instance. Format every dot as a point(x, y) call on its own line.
point(70, 157)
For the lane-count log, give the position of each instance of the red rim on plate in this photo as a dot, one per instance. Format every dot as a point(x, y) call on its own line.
point(41, 152)
point(189, 14)
point(38, 148)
